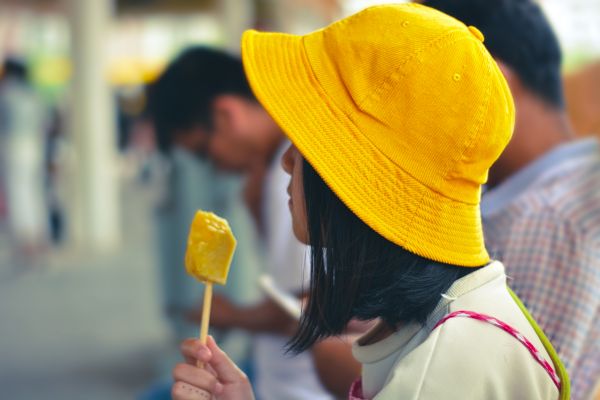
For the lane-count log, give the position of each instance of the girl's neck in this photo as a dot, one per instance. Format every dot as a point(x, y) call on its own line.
point(377, 334)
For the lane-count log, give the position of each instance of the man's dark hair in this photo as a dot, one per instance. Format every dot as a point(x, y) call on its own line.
point(357, 273)
point(517, 33)
point(182, 97)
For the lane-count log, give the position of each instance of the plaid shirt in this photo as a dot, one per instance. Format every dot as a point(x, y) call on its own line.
point(543, 223)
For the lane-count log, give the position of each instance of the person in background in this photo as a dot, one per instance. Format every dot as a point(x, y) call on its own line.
point(582, 92)
point(188, 181)
point(24, 121)
point(232, 131)
point(541, 213)
point(53, 160)
point(396, 115)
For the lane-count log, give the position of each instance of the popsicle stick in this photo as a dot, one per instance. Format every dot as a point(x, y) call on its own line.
point(205, 317)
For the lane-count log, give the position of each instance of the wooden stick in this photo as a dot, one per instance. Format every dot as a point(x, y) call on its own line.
point(205, 317)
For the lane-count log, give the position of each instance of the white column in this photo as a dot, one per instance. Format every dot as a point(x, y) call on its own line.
point(236, 16)
point(95, 223)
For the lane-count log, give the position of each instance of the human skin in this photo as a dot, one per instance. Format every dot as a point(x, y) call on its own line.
point(333, 358)
point(292, 164)
point(220, 377)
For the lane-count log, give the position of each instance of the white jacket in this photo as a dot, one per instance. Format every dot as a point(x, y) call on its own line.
point(463, 358)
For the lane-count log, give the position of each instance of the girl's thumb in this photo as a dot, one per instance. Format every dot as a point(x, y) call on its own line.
point(226, 369)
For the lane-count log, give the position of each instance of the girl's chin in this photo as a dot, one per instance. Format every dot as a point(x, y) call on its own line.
point(301, 237)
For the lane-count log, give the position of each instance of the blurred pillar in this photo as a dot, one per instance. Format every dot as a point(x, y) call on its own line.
point(95, 223)
point(297, 16)
point(236, 16)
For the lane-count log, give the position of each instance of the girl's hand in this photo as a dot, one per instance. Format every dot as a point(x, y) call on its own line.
point(219, 379)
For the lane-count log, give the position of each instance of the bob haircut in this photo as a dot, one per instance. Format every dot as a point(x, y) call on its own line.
point(357, 273)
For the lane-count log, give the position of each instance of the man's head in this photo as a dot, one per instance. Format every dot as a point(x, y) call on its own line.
point(520, 38)
point(202, 102)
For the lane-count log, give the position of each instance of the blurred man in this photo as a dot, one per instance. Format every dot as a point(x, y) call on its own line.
point(229, 126)
point(187, 174)
point(541, 215)
point(188, 182)
point(24, 120)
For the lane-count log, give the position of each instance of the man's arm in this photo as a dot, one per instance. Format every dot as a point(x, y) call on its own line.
point(264, 317)
point(335, 365)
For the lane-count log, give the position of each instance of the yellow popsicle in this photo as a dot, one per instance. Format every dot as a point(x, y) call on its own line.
point(209, 252)
point(210, 248)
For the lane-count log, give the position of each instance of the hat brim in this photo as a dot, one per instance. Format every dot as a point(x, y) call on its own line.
point(378, 191)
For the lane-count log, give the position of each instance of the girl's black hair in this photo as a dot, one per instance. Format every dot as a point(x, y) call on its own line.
point(357, 273)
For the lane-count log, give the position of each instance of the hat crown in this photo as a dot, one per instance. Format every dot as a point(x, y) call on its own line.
point(424, 90)
point(401, 110)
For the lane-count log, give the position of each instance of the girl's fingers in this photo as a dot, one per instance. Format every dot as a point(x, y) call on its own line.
point(219, 372)
point(192, 351)
point(184, 391)
point(226, 369)
point(199, 378)
point(212, 370)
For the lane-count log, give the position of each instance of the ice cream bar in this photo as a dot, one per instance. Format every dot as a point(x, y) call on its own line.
point(210, 248)
point(209, 252)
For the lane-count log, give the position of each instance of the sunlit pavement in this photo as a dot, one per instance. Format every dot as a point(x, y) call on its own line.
point(78, 326)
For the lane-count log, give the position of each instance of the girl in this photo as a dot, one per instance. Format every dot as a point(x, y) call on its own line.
point(396, 115)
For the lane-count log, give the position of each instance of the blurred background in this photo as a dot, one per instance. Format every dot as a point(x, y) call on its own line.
point(81, 307)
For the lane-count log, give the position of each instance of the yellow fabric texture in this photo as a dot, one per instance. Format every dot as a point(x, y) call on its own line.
point(401, 110)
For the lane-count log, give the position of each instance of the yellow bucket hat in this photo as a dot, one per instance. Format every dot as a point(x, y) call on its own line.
point(402, 111)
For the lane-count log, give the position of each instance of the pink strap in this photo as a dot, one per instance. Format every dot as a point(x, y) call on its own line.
point(512, 331)
point(356, 389)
